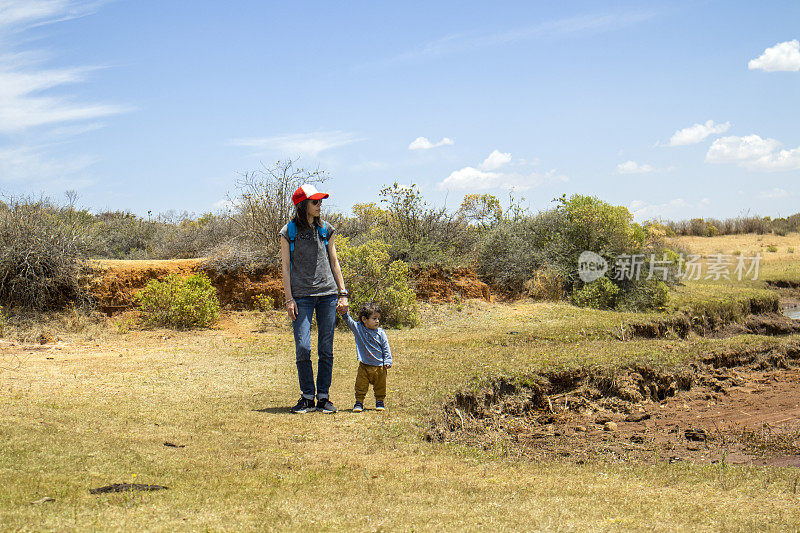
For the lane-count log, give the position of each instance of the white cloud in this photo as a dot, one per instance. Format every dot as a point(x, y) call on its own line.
point(495, 160)
point(38, 12)
point(422, 143)
point(310, 144)
point(676, 207)
point(26, 113)
point(224, 205)
point(471, 178)
point(697, 133)
point(773, 194)
point(754, 153)
point(781, 57)
point(632, 167)
point(469, 41)
point(485, 177)
point(32, 163)
point(23, 76)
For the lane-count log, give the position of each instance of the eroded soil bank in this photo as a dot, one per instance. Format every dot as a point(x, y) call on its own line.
point(111, 284)
point(740, 406)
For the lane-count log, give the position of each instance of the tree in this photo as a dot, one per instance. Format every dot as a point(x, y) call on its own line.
point(264, 203)
point(481, 209)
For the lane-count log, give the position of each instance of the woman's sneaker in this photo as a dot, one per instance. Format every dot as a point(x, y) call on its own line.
point(379, 405)
point(325, 406)
point(304, 405)
point(358, 407)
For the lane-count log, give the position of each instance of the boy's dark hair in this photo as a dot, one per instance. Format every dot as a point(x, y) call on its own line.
point(367, 309)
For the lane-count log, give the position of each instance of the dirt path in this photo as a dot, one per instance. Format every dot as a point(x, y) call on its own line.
point(741, 415)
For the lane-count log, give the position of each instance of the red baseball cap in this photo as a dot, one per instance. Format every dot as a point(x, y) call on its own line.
point(307, 192)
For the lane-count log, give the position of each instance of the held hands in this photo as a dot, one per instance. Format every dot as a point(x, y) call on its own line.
point(342, 305)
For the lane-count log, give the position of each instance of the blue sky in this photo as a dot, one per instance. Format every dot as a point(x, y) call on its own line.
point(673, 109)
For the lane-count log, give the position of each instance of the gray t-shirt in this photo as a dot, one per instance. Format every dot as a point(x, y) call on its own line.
point(311, 272)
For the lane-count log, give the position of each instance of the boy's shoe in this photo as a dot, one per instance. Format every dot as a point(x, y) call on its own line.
point(304, 405)
point(379, 405)
point(358, 407)
point(325, 406)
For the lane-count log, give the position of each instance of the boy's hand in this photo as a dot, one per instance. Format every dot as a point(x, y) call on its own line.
point(343, 305)
point(387, 367)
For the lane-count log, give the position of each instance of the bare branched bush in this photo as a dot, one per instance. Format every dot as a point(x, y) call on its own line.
point(190, 237)
point(40, 256)
point(264, 202)
point(236, 256)
point(119, 235)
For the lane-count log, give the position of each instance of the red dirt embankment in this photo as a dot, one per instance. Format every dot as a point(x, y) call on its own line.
point(113, 283)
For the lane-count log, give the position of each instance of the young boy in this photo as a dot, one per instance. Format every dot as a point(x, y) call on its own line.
point(374, 355)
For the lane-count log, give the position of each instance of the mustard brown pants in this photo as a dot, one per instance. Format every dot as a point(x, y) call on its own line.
point(374, 375)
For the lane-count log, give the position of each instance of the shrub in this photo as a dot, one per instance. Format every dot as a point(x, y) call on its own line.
point(592, 224)
point(599, 294)
point(233, 256)
point(772, 248)
point(420, 234)
point(268, 318)
point(510, 251)
point(545, 285)
point(643, 296)
point(40, 256)
point(550, 243)
point(184, 236)
point(483, 210)
point(371, 277)
point(179, 303)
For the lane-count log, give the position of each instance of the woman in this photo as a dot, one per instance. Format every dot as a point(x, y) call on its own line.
point(312, 281)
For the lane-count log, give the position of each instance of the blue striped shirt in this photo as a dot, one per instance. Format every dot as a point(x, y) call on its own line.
point(372, 345)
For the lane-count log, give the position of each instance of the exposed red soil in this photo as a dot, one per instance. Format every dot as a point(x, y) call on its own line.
point(747, 414)
point(113, 283)
point(440, 285)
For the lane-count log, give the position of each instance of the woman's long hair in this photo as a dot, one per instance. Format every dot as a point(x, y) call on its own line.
point(301, 216)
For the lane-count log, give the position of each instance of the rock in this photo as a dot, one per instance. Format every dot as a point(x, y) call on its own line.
point(580, 429)
point(695, 434)
point(602, 419)
point(125, 487)
point(610, 426)
point(637, 438)
point(637, 417)
point(654, 392)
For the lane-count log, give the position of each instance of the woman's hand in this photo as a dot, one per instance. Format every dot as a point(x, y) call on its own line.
point(291, 309)
point(343, 305)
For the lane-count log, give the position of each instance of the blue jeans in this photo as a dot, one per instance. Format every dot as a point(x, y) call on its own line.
point(325, 306)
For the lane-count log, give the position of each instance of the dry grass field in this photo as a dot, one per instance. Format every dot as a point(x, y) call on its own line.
point(748, 244)
point(98, 405)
